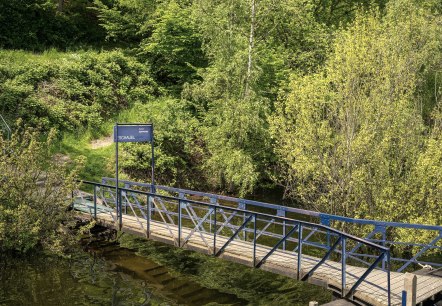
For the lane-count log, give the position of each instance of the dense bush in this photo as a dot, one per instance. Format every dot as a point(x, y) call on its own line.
point(71, 90)
point(39, 24)
point(34, 195)
point(177, 151)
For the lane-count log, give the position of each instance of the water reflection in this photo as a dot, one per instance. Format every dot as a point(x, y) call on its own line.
point(82, 280)
point(107, 275)
point(161, 281)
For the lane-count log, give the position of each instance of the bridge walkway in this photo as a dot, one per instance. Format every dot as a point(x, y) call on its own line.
point(371, 291)
point(364, 278)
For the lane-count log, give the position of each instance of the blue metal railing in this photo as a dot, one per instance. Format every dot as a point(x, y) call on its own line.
point(377, 230)
point(186, 218)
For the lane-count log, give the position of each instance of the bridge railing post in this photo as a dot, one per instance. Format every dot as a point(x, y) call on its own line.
point(148, 214)
point(389, 277)
point(95, 202)
point(281, 213)
point(214, 231)
point(254, 239)
point(343, 265)
point(299, 251)
point(179, 222)
point(127, 199)
point(120, 208)
point(212, 201)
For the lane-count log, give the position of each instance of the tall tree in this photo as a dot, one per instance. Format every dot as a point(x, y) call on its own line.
point(353, 138)
point(251, 46)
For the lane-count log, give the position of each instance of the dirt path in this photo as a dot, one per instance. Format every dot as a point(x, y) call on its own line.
point(101, 143)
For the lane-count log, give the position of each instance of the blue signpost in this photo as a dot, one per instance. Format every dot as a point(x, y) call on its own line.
point(132, 132)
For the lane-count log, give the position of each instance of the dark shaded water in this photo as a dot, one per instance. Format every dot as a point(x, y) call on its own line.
point(110, 276)
point(161, 280)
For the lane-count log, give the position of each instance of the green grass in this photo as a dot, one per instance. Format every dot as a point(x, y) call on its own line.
point(97, 162)
point(24, 57)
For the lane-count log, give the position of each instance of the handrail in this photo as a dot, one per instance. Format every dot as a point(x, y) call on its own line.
point(283, 208)
point(298, 226)
point(378, 227)
point(210, 205)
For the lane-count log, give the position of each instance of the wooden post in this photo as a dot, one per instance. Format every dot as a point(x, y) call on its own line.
point(410, 286)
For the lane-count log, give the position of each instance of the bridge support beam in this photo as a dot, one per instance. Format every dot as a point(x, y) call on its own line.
point(410, 286)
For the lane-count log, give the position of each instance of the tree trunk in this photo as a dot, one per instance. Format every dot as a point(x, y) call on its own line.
point(60, 7)
point(251, 45)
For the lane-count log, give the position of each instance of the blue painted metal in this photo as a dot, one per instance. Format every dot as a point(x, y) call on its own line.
point(262, 261)
point(254, 239)
point(133, 133)
point(281, 213)
point(323, 259)
point(214, 231)
point(388, 263)
point(420, 252)
point(95, 202)
point(376, 227)
point(209, 208)
point(359, 281)
point(179, 221)
point(298, 270)
point(119, 211)
point(149, 214)
point(234, 235)
point(343, 266)
point(404, 298)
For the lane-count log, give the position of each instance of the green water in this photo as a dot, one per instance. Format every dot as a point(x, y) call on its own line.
point(82, 280)
point(110, 276)
point(140, 272)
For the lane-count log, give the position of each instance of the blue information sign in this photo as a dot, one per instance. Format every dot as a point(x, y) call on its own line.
point(133, 133)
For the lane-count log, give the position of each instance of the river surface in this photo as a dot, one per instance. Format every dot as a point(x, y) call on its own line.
point(109, 274)
point(113, 276)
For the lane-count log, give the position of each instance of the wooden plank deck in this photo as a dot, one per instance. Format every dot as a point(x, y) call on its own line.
point(372, 291)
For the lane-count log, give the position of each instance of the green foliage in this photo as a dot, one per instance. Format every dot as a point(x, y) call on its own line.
point(37, 25)
point(337, 12)
point(174, 47)
point(337, 100)
point(238, 144)
point(358, 137)
point(161, 33)
point(70, 90)
point(34, 196)
point(177, 155)
point(251, 46)
point(124, 20)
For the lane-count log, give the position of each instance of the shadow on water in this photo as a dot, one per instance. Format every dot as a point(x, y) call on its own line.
point(82, 280)
point(161, 281)
point(105, 275)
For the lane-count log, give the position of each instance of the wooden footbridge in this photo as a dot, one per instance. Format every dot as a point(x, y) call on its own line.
point(297, 243)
